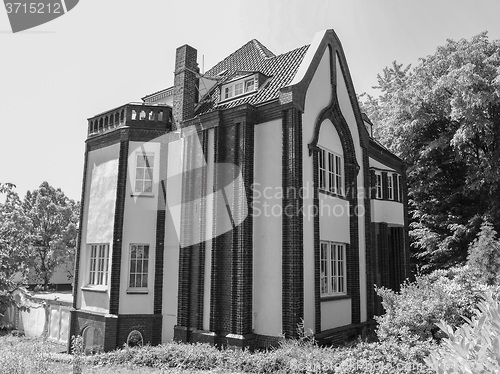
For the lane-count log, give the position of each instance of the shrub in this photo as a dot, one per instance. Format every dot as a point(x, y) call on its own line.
point(442, 295)
point(475, 346)
point(484, 254)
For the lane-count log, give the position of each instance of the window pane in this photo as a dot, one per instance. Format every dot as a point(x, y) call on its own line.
point(249, 85)
point(238, 88)
point(140, 173)
point(139, 186)
point(144, 280)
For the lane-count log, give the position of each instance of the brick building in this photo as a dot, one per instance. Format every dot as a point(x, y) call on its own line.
point(237, 203)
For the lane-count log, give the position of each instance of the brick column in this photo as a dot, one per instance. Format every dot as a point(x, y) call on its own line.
point(293, 241)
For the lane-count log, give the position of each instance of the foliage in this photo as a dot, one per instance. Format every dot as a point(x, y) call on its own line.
point(443, 118)
point(484, 254)
point(77, 350)
point(475, 346)
point(53, 221)
point(28, 357)
point(415, 311)
point(13, 243)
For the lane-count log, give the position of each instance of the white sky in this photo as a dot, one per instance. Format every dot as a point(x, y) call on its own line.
point(105, 53)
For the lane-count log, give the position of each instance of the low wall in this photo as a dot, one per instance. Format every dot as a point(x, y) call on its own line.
point(48, 315)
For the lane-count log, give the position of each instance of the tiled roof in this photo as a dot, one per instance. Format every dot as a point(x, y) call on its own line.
point(247, 57)
point(253, 56)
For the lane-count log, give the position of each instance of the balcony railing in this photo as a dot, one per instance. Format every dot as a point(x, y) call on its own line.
point(155, 116)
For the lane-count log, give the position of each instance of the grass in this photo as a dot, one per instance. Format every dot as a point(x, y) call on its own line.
point(25, 355)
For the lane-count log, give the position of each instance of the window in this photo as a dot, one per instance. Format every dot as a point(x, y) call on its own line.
point(228, 92)
point(139, 260)
point(322, 170)
point(390, 187)
point(144, 173)
point(99, 262)
point(378, 185)
point(332, 269)
point(238, 87)
point(135, 339)
point(330, 172)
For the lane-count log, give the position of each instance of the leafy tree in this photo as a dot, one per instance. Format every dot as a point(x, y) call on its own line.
point(13, 243)
point(53, 219)
point(484, 254)
point(443, 118)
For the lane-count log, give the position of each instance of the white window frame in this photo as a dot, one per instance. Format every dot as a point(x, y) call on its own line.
point(238, 87)
point(390, 186)
point(142, 191)
point(98, 270)
point(378, 185)
point(331, 172)
point(333, 266)
point(144, 273)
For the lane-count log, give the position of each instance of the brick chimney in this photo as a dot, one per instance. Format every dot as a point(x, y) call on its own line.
point(185, 84)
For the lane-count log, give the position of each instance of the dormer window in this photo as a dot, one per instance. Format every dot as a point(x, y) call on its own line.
point(239, 86)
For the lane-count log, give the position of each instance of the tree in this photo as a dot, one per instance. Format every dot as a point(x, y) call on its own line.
point(53, 220)
point(484, 254)
point(443, 118)
point(13, 244)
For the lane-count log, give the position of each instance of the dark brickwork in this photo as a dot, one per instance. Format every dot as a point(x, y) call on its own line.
point(114, 289)
point(292, 229)
point(185, 84)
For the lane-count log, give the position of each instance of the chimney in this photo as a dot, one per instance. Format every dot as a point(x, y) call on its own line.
point(185, 84)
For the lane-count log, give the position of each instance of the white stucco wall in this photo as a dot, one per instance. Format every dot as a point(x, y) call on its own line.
point(387, 211)
point(335, 313)
point(378, 165)
point(318, 97)
point(348, 113)
point(171, 254)
point(98, 220)
point(139, 227)
point(208, 229)
point(267, 229)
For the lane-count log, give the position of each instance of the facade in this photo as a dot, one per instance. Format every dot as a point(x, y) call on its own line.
point(276, 207)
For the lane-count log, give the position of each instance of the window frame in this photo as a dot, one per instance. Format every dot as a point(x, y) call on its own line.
point(333, 269)
point(148, 155)
point(229, 89)
point(329, 163)
point(379, 194)
point(134, 288)
point(98, 274)
point(390, 186)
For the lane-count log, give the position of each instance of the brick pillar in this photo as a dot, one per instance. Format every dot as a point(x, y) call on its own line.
point(114, 291)
point(185, 84)
point(293, 241)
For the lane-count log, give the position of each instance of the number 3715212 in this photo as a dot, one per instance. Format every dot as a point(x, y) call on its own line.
point(40, 8)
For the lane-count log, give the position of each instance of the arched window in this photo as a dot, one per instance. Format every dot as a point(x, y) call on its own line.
point(142, 115)
point(92, 339)
point(135, 339)
point(134, 115)
point(151, 116)
point(160, 115)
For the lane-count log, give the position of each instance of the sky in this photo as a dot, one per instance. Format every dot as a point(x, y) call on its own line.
point(105, 53)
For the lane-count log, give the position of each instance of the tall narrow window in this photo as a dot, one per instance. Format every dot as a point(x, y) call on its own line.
point(378, 185)
point(332, 269)
point(99, 264)
point(330, 167)
point(144, 173)
point(139, 261)
point(390, 187)
point(322, 169)
point(238, 89)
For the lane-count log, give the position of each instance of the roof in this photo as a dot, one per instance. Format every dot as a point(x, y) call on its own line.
point(254, 57)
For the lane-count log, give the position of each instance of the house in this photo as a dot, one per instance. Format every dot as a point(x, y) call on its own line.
point(236, 204)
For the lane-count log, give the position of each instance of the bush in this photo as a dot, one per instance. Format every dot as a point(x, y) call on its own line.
point(484, 254)
point(475, 346)
point(29, 357)
point(442, 295)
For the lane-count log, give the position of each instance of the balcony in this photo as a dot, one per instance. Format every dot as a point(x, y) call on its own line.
point(139, 115)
